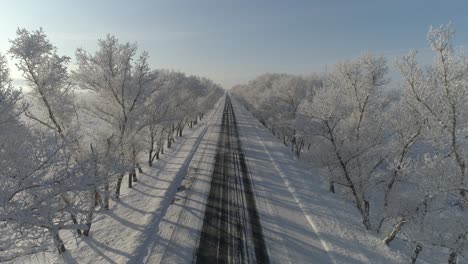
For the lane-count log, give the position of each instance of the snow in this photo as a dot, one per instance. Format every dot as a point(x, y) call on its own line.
point(125, 233)
point(159, 220)
point(180, 229)
point(302, 221)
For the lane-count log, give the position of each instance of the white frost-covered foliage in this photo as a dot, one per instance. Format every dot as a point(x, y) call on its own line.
point(46, 74)
point(275, 99)
point(398, 155)
point(132, 100)
point(10, 99)
point(179, 100)
point(76, 133)
point(348, 117)
point(438, 95)
point(38, 179)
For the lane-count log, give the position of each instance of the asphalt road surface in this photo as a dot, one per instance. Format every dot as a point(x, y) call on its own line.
point(231, 231)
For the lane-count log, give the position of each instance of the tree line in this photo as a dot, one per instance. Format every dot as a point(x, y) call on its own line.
point(68, 143)
point(398, 154)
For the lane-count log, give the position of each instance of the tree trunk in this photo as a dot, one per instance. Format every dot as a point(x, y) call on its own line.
point(332, 187)
point(58, 242)
point(379, 226)
point(453, 257)
point(89, 215)
point(152, 149)
point(117, 187)
point(89, 218)
point(150, 156)
point(171, 135)
point(414, 255)
point(299, 148)
point(75, 222)
point(366, 220)
point(134, 176)
point(140, 170)
point(106, 177)
point(106, 194)
point(394, 232)
point(293, 140)
point(72, 215)
point(97, 198)
point(359, 200)
point(154, 156)
point(130, 176)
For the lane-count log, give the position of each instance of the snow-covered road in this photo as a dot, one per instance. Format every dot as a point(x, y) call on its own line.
point(299, 221)
point(230, 214)
point(212, 219)
point(231, 231)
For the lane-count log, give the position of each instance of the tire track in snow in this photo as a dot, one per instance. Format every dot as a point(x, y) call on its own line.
point(231, 231)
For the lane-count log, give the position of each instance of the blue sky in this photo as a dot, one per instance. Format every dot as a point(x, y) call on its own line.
point(233, 41)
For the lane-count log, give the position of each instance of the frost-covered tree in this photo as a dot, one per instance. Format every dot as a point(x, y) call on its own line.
point(56, 161)
point(402, 144)
point(179, 101)
point(37, 174)
point(439, 94)
point(121, 82)
point(11, 100)
point(348, 118)
point(401, 154)
point(156, 118)
point(52, 97)
point(275, 99)
point(46, 74)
